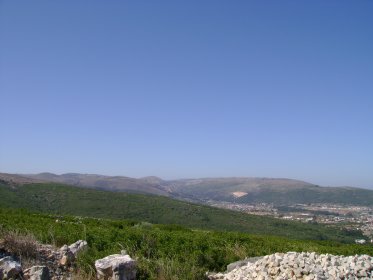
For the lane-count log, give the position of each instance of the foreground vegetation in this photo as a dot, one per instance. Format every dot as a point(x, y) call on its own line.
point(63, 199)
point(162, 251)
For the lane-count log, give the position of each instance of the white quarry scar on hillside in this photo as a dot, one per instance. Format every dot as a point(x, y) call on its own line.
point(239, 194)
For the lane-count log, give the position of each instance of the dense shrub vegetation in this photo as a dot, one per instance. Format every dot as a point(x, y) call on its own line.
point(63, 199)
point(163, 251)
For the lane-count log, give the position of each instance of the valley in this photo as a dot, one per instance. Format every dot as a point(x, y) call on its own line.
point(173, 235)
point(348, 217)
point(255, 205)
point(242, 190)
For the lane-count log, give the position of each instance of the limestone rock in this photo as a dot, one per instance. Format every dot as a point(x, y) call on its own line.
point(293, 265)
point(37, 273)
point(235, 265)
point(78, 246)
point(69, 253)
point(67, 258)
point(64, 248)
point(116, 267)
point(10, 268)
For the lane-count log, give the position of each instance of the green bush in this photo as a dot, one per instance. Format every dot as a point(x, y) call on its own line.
point(162, 251)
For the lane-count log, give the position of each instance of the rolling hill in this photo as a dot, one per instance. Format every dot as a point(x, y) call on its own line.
point(150, 185)
point(62, 199)
point(268, 190)
point(278, 191)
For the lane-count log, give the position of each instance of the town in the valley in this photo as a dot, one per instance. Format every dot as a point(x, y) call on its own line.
point(349, 217)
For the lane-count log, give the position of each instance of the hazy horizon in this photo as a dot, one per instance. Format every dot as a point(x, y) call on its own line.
point(183, 178)
point(188, 90)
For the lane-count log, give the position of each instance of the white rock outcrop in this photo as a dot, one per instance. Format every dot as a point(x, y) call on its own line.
point(307, 266)
point(10, 268)
point(37, 273)
point(69, 253)
point(78, 246)
point(116, 267)
point(49, 262)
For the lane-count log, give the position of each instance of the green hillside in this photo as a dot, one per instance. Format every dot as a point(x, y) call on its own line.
point(63, 199)
point(277, 191)
point(163, 252)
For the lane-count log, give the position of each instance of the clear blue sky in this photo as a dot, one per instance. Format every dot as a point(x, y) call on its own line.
point(188, 88)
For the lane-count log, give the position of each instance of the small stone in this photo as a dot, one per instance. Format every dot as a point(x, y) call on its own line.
point(67, 259)
point(37, 273)
point(64, 248)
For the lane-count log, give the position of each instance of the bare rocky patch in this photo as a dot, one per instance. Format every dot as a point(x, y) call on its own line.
point(307, 266)
point(22, 257)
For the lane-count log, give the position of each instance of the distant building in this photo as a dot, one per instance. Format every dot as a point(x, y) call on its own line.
point(360, 241)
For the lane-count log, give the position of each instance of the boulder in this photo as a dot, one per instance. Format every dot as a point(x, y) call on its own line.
point(78, 246)
point(116, 267)
point(37, 273)
point(10, 268)
point(69, 253)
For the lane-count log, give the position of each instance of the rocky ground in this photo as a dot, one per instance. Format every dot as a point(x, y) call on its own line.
point(306, 266)
point(43, 262)
point(25, 259)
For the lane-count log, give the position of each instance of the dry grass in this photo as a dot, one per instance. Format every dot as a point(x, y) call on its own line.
point(20, 244)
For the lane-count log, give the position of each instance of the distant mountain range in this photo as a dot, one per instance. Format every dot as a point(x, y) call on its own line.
point(150, 185)
point(269, 190)
point(240, 190)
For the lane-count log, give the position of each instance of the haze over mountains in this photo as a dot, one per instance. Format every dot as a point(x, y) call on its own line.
point(151, 185)
point(240, 190)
